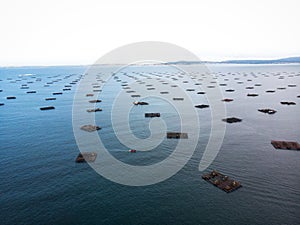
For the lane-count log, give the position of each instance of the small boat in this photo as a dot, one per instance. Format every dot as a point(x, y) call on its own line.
point(132, 150)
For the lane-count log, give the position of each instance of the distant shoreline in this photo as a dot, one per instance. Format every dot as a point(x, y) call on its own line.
point(283, 61)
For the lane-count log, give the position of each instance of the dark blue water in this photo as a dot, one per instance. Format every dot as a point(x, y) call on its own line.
point(41, 184)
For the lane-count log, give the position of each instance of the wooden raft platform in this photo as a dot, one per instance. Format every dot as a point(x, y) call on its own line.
point(288, 145)
point(152, 114)
point(221, 181)
point(86, 157)
point(177, 135)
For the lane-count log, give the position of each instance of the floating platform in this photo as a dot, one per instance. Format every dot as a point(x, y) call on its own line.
point(288, 145)
point(177, 135)
point(202, 106)
point(152, 114)
point(178, 99)
point(90, 128)
point(252, 95)
point(268, 111)
point(47, 108)
point(288, 103)
point(222, 181)
point(86, 157)
point(50, 99)
point(232, 120)
point(95, 101)
point(140, 103)
point(227, 100)
point(94, 110)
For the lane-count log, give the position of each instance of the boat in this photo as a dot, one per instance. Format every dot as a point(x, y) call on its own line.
point(132, 150)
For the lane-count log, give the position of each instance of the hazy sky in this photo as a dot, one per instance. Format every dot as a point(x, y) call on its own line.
point(55, 32)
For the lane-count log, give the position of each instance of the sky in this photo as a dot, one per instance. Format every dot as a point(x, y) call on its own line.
point(63, 32)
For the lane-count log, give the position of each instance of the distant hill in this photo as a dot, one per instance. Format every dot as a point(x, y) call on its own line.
point(244, 61)
point(268, 61)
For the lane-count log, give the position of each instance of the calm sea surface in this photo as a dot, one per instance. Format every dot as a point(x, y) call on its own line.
point(42, 184)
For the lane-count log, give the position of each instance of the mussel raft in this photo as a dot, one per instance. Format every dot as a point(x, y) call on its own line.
point(222, 181)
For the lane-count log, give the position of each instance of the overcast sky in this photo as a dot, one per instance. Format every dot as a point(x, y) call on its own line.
point(57, 32)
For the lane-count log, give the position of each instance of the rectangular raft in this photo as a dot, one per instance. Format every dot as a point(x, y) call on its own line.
point(286, 145)
point(86, 157)
point(177, 135)
point(152, 114)
point(221, 181)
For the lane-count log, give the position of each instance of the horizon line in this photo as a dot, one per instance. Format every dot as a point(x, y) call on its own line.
point(204, 61)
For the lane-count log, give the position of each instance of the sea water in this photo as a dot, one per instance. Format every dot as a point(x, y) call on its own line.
point(42, 184)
